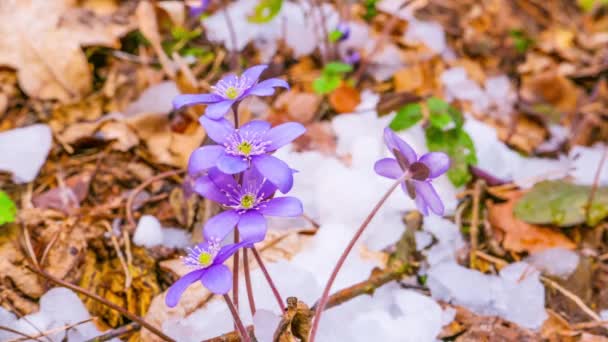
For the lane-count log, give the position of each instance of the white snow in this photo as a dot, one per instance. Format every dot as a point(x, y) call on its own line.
point(429, 33)
point(559, 262)
point(586, 163)
point(265, 323)
point(155, 99)
point(516, 294)
point(23, 151)
point(59, 307)
point(150, 233)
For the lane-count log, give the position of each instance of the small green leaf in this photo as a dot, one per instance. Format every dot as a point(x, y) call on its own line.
point(334, 36)
point(180, 33)
point(459, 146)
point(521, 41)
point(337, 68)
point(563, 204)
point(437, 105)
point(265, 11)
point(441, 120)
point(8, 210)
point(326, 84)
point(406, 117)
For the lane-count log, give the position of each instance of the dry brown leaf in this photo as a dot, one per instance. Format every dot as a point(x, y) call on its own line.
point(319, 136)
point(520, 236)
point(148, 25)
point(43, 39)
point(298, 106)
point(345, 99)
point(553, 89)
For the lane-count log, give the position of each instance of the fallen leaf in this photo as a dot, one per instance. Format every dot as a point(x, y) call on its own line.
point(344, 99)
point(148, 25)
point(520, 236)
point(43, 39)
point(298, 106)
point(68, 197)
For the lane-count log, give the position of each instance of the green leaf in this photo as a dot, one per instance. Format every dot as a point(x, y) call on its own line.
point(326, 84)
point(265, 11)
point(441, 114)
point(8, 210)
point(337, 68)
point(521, 41)
point(437, 105)
point(458, 145)
point(334, 36)
point(406, 117)
point(563, 204)
point(180, 33)
point(441, 121)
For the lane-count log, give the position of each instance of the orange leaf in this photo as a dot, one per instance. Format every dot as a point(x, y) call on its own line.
point(344, 99)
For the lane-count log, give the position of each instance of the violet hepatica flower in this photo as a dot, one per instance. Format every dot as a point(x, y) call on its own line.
point(196, 11)
point(208, 260)
point(231, 89)
point(248, 203)
point(420, 172)
point(246, 146)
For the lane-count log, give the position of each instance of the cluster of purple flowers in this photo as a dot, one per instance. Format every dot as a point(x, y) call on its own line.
point(240, 173)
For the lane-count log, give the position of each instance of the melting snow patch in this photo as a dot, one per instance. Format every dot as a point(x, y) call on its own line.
point(559, 262)
point(150, 233)
point(516, 294)
point(23, 151)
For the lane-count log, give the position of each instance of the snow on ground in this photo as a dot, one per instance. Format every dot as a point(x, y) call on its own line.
point(59, 307)
point(547, 261)
point(150, 233)
point(23, 151)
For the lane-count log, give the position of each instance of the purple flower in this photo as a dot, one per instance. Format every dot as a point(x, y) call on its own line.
point(245, 146)
point(421, 171)
point(248, 204)
point(231, 89)
point(344, 29)
point(196, 11)
point(208, 260)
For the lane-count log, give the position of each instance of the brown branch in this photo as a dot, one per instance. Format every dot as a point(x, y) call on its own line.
point(17, 332)
point(103, 301)
point(108, 335)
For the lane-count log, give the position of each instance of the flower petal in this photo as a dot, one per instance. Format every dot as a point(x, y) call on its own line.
point(217, 279)
point(393, 142)
point(224, 182)
point(220, 225)
point(421, 205)
point(205, 187)
point(252, 226)
point(175, 291)
point(437, 162)
point(217, 130)
point(282, 206)
point(232, 164)
point(255, 127)
point(252, 179)
point(267, 190)
point(282, 135)
point(204, 158)
point(193, 99)
point(389, 168)
point(228, 250)
point(429, 197)
point(253, 74)
point(266, 87)
point(275, 170)
point(217, 110)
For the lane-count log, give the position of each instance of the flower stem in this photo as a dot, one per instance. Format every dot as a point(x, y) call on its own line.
point(273, 287)
point(235, 272)
point(322, 302)
point(237, 320)
point(248, 282)
point(235, 113)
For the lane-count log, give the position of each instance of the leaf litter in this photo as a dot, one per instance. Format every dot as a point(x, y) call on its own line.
point(514, 91)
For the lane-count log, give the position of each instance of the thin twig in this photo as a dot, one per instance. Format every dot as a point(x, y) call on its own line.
point(574, 298)
point(234, 56)
point(17, 332)
point(474, 230)
point(273, 287)
point(596, 181)
point(248, 283)
point(103, 301)
point(53, 331)
point(121, 257)
point(136, 191)
point(310, 220)
point(325, 296)
point(108, 335)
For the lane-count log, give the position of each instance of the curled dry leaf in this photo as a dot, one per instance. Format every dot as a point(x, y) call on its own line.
point(345, 99)
point(298, 106)
point(43, 39)
point(519, 236)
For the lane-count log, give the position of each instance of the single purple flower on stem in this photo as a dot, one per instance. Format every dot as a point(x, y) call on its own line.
point(421, 172)
point(340, 33)
point(231, 89)
point(196, 11)
point(248, 145)
point(208, 260)
point(248, 204)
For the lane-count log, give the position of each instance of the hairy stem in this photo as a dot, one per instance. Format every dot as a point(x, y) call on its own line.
point(237, 320)
point(273, 287)
point(322, 302)
point(248, 282)
point(235, 272)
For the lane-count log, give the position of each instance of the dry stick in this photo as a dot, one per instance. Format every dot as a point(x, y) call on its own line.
point(103, 301)
point(248, 283)
point(324, 297)
point(310, 220)
point(273, 287)
point(596, 181)
point(474, 231)
point(53, 331)
point(17, 332)
point(108, 335)
point(237, 320)
point(136, 191)
point(572, 297)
